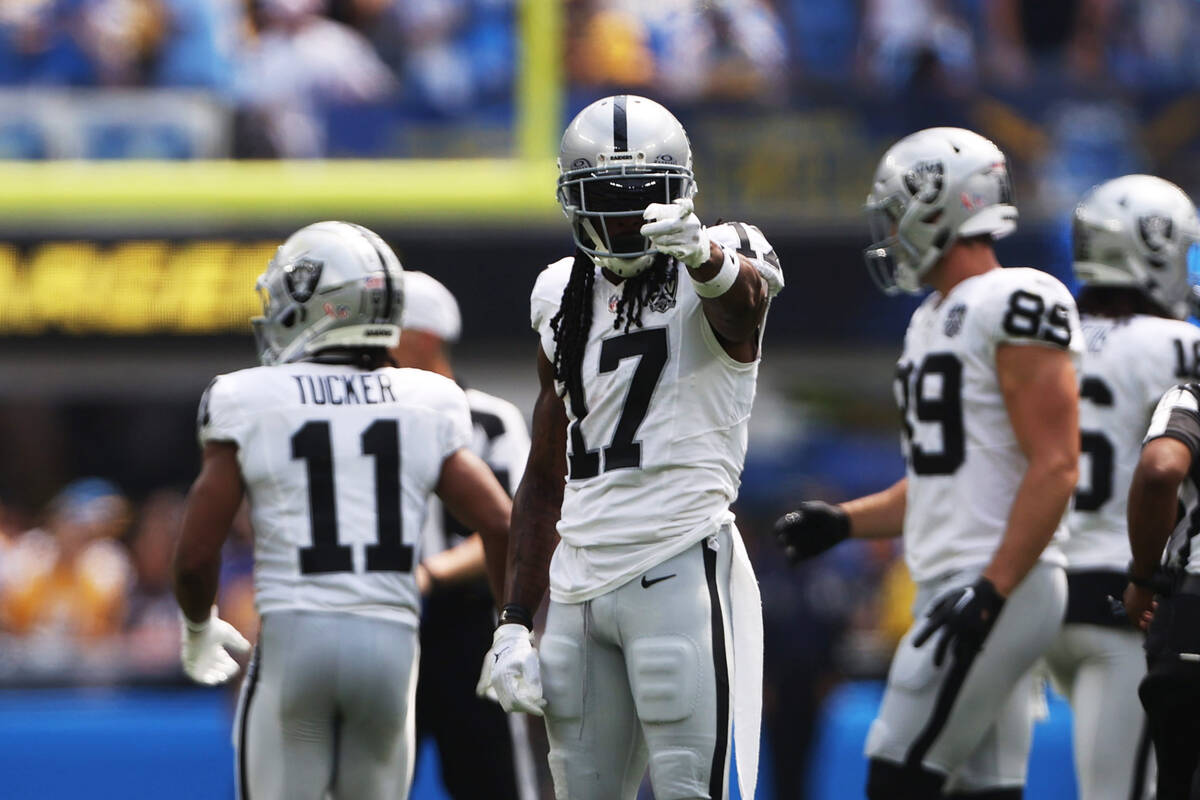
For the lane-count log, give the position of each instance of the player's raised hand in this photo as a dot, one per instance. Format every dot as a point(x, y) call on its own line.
point(965, 616)
point(204, 655)
point(515, 673)
point(811, 529)
point(674, 230)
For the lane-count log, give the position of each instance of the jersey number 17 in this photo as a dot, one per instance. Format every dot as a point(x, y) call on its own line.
point(649, 347)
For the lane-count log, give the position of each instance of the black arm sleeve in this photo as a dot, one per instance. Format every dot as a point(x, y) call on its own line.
point(1184, 426)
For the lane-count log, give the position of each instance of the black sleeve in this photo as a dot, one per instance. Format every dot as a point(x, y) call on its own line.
point(1184, 426)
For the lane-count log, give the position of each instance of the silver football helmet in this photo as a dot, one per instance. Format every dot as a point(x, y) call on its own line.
point(932, 188)
point(1139, 231)
point(619, 155)
point(330, 285)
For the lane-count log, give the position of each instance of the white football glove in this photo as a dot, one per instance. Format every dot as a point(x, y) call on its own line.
point(513, 672)
point(483, 688)
point(204, 645)
point(674, 230)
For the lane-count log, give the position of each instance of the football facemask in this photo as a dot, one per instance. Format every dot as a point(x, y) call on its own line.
point(605, 206)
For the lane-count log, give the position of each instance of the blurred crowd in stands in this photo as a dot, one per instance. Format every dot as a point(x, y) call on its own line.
point(85, 590)
point(86, 598)
point(289, 67)
point(277, 62)
point(449, 53)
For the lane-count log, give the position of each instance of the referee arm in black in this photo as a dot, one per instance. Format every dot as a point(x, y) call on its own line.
point(1153, 510)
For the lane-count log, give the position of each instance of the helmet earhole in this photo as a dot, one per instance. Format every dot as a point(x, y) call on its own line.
point(288, 319)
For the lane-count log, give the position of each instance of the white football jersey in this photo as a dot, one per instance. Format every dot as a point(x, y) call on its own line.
point(656, 446)
point(1127, 365)
point(501, 438)
point(963, 460)
point(338, 464)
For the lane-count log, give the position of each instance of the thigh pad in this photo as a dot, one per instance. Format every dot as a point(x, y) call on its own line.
point(664, 673)
point(561, 660)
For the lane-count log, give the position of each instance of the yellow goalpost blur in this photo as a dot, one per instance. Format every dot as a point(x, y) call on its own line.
point(70, 194)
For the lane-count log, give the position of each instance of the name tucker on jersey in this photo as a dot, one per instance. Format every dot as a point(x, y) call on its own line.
point(363, 388)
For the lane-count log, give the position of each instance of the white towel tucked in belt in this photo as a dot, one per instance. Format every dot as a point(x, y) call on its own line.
point(747, 664)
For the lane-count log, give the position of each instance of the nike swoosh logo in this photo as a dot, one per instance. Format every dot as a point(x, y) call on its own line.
point(646, 584)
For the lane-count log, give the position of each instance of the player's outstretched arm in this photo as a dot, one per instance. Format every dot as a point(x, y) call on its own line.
point(732, 292)
point(211, 506)
point(538, 501)
point(1041, 394)
point(879, 515)
point(737, 314)
point(815, 527)
point(473, 495)
point(463, 562)
point(1153, 506)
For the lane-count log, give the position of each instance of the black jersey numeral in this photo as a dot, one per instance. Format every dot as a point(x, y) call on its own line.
point(943, 408)
point(1187, 365)
point(381, 440)
point(1099, 450)
point(1027, 316)
point(493, 428)
point(650, 347)
point(581, 462)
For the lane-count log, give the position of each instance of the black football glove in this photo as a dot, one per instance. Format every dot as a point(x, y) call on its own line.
point(966, 617)
point(811, 529)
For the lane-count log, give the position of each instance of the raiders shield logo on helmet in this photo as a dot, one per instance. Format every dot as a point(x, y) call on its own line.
point(1156, 231)
point(924, 181)
point(301, 277)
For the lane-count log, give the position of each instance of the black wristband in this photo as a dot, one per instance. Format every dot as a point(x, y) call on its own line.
point(515, 612)
point(1149, 582)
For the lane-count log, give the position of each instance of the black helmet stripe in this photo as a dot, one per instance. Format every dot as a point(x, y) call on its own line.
point(387, 274)
point(620, 125)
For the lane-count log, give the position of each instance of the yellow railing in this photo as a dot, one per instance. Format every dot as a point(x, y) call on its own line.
point(70, 193)
point(540, 87)
point(516, 190)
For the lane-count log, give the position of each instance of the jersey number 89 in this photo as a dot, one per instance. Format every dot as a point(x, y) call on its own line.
point(1027, 316)
point(937, 390)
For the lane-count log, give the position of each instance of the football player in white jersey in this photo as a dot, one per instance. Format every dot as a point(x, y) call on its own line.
point(337, 454)
point(483, 752)
point(1133, 236)
point(649, 346)
point(987, 389)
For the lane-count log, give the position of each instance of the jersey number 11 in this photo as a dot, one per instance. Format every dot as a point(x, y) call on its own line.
point(381, 439)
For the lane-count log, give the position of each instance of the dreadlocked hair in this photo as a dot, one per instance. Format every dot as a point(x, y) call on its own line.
point(1117, 302)
point(574, 318)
